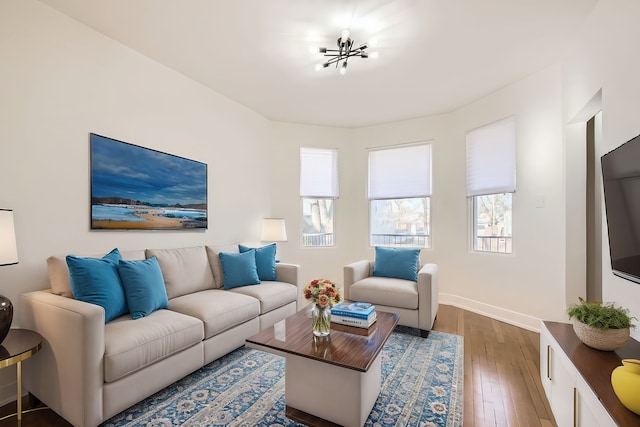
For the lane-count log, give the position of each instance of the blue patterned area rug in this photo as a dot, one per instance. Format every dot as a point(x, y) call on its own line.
point(422, 382)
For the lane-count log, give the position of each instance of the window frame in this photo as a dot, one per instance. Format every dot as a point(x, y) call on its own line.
point(414, 236)
point(306, 237)
point(508, 238)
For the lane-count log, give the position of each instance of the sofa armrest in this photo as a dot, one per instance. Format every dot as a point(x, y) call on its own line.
point(289, 273)
point(67, 374)
point(355, 272)
point(428, 298)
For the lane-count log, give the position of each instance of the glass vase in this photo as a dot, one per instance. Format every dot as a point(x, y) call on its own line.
point(321, 320)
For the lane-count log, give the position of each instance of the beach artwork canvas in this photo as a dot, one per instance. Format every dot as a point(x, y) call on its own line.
point(133, 187)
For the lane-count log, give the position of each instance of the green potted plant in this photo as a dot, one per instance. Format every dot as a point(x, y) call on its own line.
point(601, 326)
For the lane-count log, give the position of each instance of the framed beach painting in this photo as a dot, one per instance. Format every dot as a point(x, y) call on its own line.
point(137, 188)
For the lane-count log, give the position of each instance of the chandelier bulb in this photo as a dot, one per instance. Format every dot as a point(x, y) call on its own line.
point(345, 36)
point(343, 68)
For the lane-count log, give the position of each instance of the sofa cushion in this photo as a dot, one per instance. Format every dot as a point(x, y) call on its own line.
point(239, 269)
point(399, 263)
point(265, 260)
point(213, 253)
point(143, 286)
point(218, 309)
point(185, 270)
point(131, 345)
point(96, 281)
point(386, 291)
point(59, 271)
point(271, 295)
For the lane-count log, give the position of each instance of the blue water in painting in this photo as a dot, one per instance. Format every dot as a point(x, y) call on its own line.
point(184, 213)
point(114, 213)
point(128, 213)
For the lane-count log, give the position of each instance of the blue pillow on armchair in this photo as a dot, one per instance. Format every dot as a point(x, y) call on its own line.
point(399, 263)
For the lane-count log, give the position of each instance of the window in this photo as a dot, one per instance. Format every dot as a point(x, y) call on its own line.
point(318, 191)
point(399, 196)
point(491, 180)
point(492, 215)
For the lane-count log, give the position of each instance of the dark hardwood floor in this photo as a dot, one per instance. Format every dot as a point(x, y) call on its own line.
point(501, 375)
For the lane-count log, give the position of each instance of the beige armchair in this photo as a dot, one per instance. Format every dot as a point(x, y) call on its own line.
point(415, 302)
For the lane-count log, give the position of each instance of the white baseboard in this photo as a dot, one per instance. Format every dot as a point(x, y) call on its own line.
point(511, 317)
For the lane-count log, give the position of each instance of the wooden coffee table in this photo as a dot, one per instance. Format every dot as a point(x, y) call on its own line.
point(335, 378)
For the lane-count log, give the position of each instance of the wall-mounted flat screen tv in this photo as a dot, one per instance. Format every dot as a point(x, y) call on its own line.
point(137, 188)
point(621, 184)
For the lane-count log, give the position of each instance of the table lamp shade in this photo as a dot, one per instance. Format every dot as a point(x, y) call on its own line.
point(273, 230)
point(8, 256)
point(8, 249)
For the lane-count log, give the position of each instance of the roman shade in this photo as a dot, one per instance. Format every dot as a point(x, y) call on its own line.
point(319, 173)
point(491, 158)
point(400, 172)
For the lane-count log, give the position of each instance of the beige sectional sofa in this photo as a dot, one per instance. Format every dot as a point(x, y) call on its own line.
point(88, 371)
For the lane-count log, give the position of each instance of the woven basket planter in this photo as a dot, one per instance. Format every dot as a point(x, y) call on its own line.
point(601, 339)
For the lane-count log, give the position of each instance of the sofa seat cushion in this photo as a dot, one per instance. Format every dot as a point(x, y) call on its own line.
point(386, 291)
point(131, 345)
point(271, 295)
point(218, 309)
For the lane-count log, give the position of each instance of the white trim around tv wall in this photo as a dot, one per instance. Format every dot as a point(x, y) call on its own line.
point(511, 317)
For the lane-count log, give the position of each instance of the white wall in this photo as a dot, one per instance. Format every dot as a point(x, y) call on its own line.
point(522, 287)
point(59, 81)
point(605, 59)
point(315, 263)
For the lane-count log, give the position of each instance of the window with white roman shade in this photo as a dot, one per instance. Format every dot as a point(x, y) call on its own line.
point(399, 196)
point(318, 192)
point(491, 182)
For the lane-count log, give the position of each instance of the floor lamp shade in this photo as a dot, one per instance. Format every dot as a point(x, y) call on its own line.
point(8, 256)
point(273, 230)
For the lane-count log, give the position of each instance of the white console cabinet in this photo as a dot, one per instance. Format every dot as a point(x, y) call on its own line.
point(573, 400)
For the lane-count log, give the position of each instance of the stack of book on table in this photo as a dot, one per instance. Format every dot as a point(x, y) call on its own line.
point(358, 314)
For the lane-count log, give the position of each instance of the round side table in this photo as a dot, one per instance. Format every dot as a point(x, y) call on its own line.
point(19, 345)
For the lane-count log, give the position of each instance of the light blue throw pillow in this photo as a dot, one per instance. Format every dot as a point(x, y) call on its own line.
point(143, 286)
point(399, 263)
point(265, 260)
point(96, 281)
point(239, 269)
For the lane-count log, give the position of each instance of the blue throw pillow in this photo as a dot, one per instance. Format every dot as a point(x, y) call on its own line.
point(399, 263)
point(96, 281)
point(239, 269)
point(265, 260)
point(143, 286)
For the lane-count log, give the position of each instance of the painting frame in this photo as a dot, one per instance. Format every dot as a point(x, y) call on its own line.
point(138, 188)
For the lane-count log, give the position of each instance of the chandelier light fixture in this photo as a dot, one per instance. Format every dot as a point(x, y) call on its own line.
point(345, 50)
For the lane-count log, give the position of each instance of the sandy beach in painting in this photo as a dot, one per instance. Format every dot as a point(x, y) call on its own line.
point(153, 219)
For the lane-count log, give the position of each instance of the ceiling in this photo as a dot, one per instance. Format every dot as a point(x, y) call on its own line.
point(434, 55)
